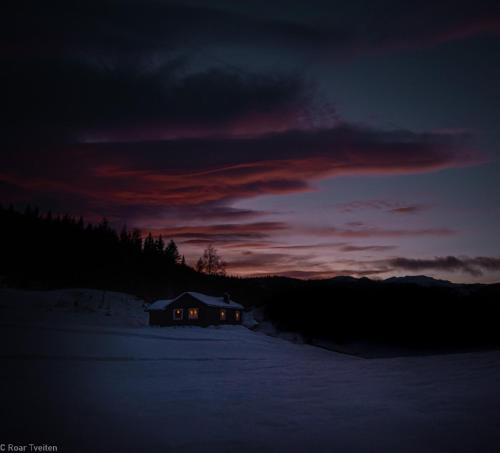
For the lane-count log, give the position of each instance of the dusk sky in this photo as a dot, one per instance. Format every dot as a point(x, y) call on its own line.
point(301, 138)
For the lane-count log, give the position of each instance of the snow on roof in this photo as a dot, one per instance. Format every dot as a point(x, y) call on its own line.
point(203, 298)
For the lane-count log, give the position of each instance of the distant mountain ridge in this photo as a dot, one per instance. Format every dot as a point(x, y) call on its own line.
point(421, 280)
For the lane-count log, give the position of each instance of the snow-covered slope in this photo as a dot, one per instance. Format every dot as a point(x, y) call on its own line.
point(76, 306)
point(108, 386)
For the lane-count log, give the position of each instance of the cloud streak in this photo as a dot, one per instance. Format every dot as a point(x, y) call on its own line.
point(236, 232)
point(472, 266)
point(393, 207)
point(218, 171)
point(369, 231)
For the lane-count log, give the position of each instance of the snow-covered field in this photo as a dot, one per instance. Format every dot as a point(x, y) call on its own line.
point(92, 376)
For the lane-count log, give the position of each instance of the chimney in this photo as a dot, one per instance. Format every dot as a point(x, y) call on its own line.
point(227, 298)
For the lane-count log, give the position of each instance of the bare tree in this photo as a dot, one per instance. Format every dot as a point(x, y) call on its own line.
point(211, 263)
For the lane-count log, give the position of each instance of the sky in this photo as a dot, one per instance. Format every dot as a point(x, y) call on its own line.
point(302, 138)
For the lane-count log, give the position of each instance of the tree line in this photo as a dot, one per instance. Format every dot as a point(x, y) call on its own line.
point(46, 250)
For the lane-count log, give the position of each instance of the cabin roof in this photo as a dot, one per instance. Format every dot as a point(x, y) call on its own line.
point(211, 301)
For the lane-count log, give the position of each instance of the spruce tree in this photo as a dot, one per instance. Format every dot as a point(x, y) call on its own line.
point(172, 252)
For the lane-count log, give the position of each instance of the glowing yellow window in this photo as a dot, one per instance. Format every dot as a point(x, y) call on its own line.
point(193, 313)
point(222, 314)
point(178, 312)
point(237, 315)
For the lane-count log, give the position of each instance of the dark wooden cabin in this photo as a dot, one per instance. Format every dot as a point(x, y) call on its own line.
point(192, 308)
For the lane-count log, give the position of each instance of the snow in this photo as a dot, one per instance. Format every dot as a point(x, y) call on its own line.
point(207, 300)
point(96, 378)
point(79, 305)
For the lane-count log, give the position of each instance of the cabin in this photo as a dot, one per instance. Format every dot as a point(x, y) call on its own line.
point(192, 308)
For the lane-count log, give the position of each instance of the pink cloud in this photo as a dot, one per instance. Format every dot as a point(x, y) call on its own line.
point(369, 231)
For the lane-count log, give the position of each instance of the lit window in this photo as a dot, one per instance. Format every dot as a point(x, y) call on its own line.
point(178, 312)
point(237, 315)
point(193, 313)
point(222, 314)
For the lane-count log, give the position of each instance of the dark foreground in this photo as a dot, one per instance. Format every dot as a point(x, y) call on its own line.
point(89, 382)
